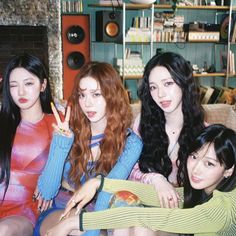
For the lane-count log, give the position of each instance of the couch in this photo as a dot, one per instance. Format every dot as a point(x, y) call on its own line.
point(215, 113)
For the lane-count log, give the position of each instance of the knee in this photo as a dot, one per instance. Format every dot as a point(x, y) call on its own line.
point(8, 229)
point(16, 226)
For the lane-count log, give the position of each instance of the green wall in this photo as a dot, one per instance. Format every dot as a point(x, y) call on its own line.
point(196, 53)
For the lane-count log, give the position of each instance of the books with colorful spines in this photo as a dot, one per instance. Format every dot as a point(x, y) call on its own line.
point(207, 95)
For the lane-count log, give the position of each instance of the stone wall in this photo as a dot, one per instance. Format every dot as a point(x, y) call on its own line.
point(39, 13)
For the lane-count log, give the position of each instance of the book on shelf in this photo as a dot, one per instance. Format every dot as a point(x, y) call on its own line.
point(214, 95)
point(138, 35)
point(72, 6)
point(207, 95)
point(231, 62)
point(219, 95)
point(141, 22)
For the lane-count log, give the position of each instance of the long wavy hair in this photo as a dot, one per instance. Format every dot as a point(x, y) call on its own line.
point(224, 141)
point(10, 113)
point(154, 157)
point(118, 114)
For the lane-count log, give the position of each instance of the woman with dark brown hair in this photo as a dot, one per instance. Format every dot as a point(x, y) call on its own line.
point(103, 143)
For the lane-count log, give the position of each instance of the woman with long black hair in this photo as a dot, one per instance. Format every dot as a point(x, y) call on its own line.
point(25, 136)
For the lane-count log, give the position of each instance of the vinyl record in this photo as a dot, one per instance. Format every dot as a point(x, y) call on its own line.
point(75, 34)
point(224, 27)
point(75, 60)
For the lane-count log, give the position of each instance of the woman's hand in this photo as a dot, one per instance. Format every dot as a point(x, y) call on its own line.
point(167, 194)
point(82, 196)
point(43, 204)
point(68, 226)
point(62, 127)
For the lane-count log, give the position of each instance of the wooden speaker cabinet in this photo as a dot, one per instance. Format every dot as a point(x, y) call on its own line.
point(75, 48)
point(109, 26)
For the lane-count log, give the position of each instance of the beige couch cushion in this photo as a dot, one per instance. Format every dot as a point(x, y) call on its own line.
point(231, 120)
point(221, 113)
point(215, 113)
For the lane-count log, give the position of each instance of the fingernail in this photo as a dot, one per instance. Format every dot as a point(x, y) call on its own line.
point(61, 217)
point(77, 211)
point(35, 196)
point(52, 105)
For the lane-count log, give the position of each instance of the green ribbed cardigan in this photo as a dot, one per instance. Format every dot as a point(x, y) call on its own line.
point(216, 217)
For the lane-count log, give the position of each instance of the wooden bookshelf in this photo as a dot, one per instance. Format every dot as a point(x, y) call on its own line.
point(131, 6)
point(135, 77)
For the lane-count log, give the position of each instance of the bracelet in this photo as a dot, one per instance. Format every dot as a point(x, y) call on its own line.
point(102, 178)
point(81, 220)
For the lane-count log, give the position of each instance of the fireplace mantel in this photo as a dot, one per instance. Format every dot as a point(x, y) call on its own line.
point(39, 13)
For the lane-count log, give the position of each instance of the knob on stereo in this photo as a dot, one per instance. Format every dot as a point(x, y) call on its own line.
point(75, 34)
point(75, 60)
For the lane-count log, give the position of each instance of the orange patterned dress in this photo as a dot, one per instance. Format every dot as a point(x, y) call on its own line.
point(29, 155)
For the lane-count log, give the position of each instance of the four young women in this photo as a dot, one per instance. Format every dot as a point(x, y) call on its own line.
point(99, 139)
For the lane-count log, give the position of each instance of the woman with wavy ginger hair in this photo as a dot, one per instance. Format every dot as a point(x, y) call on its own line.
point(118, 115)
point(103, 143)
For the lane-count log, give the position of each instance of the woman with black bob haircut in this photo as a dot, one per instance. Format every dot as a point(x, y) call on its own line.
point(171, 117)
point(209, 195)
point(26, 132)
point(224, 142)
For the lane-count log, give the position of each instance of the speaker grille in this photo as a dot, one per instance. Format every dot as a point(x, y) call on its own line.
point(75, 34)
point(112, 29)
point(75, 60)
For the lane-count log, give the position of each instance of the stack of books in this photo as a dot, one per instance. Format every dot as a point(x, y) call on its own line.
point(168, 28)
point(133, 64)
point(74, 6)
point(138, 35)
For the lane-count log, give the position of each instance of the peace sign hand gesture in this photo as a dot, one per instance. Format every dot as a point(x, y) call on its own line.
point(62, 127)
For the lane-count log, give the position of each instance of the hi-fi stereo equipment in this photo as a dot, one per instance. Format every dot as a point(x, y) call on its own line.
point(109, 26)
point(75, 48)
point(209, 36)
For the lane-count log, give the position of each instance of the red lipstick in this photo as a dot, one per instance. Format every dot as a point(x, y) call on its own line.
point(23, 100)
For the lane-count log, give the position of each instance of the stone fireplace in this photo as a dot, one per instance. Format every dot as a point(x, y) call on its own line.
point(33, 26)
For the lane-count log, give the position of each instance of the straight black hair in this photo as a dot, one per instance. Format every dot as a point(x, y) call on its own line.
point(10, 112)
